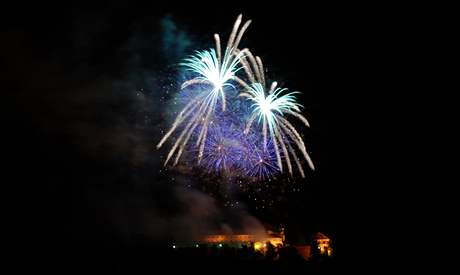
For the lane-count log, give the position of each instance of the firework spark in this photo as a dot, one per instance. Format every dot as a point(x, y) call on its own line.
point(223, 150)
point(215, 71)
point(270, 108)
point(261, 161)
point(223, 138)
point(235, 153)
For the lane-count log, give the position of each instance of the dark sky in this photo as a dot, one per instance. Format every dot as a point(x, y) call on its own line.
point(83, 86)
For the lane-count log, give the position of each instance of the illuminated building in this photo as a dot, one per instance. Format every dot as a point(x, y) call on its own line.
point(323, 244)
point(320, 246)
point(259, 241)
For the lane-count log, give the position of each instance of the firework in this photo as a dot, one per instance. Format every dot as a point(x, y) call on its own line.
point(223, 150)
point(230, 150)
point(270, 108)
point(215, 72)
point(218, 124)
point(261, 162)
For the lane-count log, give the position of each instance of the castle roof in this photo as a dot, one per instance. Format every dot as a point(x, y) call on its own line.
point(320, 236)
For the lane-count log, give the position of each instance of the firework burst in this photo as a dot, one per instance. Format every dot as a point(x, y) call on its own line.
point(218, 124)
point(261, 161)
point(215, 71)
point(270, 108)
point(223, 150)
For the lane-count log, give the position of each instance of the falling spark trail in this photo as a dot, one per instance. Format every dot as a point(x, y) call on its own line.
point(271, 107)
point(218, 130)
point(215, 71)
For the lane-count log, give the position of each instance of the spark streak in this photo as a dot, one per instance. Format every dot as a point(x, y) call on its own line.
point(215, 71)
point(270, 108)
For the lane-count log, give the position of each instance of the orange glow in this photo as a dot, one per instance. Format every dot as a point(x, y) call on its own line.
point(323, 244)
point(259, 242)
point(275, 241)
point(228, 238)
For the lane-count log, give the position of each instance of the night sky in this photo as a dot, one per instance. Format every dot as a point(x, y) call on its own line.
point(85, 88)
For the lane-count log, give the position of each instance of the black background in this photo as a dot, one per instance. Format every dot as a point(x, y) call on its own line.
point(339, 56)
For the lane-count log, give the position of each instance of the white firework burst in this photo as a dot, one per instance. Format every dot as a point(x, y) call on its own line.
point(271, 107)
point(215, 71)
